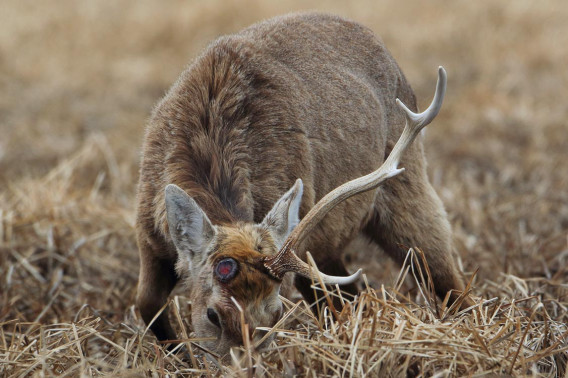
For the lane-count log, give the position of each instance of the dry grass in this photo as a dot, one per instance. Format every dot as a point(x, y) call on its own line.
point(78, 81)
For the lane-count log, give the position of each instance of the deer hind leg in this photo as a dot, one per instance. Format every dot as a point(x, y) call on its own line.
point(157, 279)
point(408, 213)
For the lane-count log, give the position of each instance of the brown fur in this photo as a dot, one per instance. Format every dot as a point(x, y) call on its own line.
point(302, 96)
point(247, 245)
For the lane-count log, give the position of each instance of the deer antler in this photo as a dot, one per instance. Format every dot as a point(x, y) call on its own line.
point(286, 259)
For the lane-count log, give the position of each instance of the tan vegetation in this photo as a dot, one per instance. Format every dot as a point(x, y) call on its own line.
point(79, 79)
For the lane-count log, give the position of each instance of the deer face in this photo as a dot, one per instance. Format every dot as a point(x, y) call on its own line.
point(223, 268)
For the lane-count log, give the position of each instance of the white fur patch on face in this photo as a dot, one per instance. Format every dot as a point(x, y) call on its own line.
point(269, 313)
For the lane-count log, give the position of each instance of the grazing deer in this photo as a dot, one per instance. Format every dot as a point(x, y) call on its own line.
point(264, 124)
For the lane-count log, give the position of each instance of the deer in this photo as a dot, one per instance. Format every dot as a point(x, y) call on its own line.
point(281, 140)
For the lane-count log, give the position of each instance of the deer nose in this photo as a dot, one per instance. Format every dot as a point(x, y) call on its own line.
point(213, 317)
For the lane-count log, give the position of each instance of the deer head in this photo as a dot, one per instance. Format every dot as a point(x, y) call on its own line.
point(225, 263)
point(240, 267)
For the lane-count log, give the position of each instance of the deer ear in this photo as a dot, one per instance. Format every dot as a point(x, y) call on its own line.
point(190, 228)
point(285, 214)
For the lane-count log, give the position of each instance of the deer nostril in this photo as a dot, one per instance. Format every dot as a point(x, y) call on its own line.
point(213, 317)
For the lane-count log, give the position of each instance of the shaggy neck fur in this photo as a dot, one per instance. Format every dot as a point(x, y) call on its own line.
point(206, 134)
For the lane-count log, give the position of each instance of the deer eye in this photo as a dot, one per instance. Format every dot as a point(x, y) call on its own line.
point(226, 269)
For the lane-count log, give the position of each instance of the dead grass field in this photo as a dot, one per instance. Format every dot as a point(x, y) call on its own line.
point(78, 80)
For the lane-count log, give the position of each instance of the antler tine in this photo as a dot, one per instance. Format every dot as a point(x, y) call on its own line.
point(417, 121)
point(286, 260)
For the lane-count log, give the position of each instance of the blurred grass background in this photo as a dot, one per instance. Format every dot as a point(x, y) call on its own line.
point(78, 80)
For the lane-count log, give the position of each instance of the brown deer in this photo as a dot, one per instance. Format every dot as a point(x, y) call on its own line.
point(264, 124)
